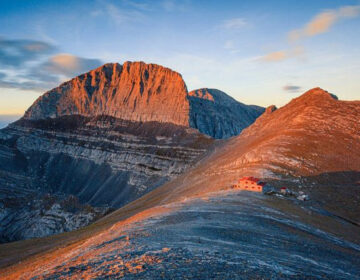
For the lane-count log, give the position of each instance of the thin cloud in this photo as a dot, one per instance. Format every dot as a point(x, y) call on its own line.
point(323, 22)
point(137, 5)
point(297, 51)
point(275, 56)
point(70, 65)
point(174, 5)
point(14, 53)
point(234, 23)
point(291, 88)
point(122, 16)
point(32, 65)
point(229, 45)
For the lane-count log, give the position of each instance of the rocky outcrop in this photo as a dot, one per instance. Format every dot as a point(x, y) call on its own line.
point(134, 91)
point(215, 113)
point(145, 92)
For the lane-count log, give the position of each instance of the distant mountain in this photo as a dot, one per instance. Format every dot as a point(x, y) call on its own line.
point(137, 91)
point(6, 119)
point(215, 113)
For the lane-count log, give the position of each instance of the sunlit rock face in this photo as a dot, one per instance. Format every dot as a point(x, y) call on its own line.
point(145, 92)
point(134, 91)
point(215, 113)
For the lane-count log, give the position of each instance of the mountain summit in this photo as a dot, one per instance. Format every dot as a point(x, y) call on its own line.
point(137, 91)
point(134, 91)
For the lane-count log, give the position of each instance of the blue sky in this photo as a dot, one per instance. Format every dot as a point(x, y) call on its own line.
point(259, 52)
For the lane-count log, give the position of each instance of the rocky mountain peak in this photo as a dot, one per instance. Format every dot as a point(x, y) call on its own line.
point(270, 109)
point(137, 91)
point(215, 113)
point(316, 96)
point(134, 91)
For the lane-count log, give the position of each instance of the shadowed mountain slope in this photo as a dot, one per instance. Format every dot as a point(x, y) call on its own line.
point(215, 113)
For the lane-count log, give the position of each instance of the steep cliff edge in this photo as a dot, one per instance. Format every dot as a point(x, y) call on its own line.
point(145, 92)
point(134, 91)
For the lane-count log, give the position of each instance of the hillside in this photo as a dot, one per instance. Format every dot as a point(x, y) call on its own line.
point(197, 221)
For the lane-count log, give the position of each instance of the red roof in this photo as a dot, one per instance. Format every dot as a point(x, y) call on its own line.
point(253, 179)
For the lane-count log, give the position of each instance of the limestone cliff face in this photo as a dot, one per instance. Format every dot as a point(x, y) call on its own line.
point(143, 92)
point(215, 113)
point(134, 91)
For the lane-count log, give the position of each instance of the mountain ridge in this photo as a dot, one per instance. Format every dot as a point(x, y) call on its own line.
point(137, 91)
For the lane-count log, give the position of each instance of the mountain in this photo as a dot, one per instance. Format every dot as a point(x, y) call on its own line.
point(143, 92)
point(313, 134)
point(215, 113)
point(196, 220)
point(101, 140)
point(134, 91)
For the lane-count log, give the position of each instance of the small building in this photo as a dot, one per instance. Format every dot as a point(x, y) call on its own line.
point(283, 190)
point(251, 184)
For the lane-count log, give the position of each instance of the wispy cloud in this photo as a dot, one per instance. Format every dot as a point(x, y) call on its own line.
point(283, 54)
point(229, 45)
point(323, 21)
point(122, 16)
point(70, 65)
point(140, 5)
point(16, 52)
point(291, 88)
point(234, 23)
point(275, 56)
point(174, 5)
point(32, 65)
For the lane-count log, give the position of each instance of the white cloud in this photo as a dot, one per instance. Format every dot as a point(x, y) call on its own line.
point(234, 23)
point(229, 45)
point(122, 16)
point(174, 5)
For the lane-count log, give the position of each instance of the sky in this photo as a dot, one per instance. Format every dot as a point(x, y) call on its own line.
point(260, 52)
